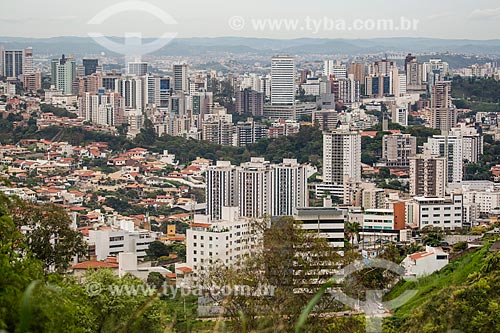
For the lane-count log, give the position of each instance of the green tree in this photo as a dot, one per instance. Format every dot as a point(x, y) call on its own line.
point(157, 249)
point(50, 238)
point(432, 236)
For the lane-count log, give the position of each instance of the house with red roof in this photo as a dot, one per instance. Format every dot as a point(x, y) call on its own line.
point(425, 263)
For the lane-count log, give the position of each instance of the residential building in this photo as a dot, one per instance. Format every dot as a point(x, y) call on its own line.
point(327, 120)
point(397, 149)
point(221, 189)
point(249, 132)
point(250, 102)
point(258, 188)
point(109, 242)
point(443, 112)
point(425, 263)
point(226, 240)
point(428, 176)
point(341, 161)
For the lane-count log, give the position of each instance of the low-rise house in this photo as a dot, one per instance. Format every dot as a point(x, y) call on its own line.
point(425, 263)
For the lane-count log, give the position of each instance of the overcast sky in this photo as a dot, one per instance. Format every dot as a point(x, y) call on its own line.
point(471, 19)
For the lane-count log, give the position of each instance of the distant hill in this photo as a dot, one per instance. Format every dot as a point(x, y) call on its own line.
point(266, 46)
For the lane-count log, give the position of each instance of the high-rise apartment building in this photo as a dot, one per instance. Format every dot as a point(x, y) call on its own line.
point(358, 70)
point(428, 176)
point(341, 162)
point(103, 108)
point(414, 74)
point(132, 92)
point(250, 102)
point(221, 189)
point(283, 80)
point(288, 187)
point(450, 148)
point(443, 113)
point(336, 69)
point(258, 188)
point(397, 149)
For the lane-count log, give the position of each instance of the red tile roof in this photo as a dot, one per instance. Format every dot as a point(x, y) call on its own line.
point(94, 265)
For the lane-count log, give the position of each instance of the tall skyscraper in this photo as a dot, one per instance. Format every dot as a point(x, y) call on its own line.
point(180, 77)
point(341, 161)
point(90, 66)
point(63, 74)
point(283, 80)
point(288, 188)
point(138, 68)
point(15, 63)
point(443, 113)
point(414, 74)
point(221, 189)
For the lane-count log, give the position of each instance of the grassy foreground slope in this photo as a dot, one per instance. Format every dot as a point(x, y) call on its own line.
point(462, 297)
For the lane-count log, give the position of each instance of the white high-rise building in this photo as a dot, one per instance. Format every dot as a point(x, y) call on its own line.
point(283, 80)
point(341, 161)
point(288, 187)
point(131, 89)
point(254, 187)
point(472, 142)
point(226, 240)
point(399, 115)
point(258, 188)
point(103, 108)
point(222, 188)
point(335, 68)
point(449, 147)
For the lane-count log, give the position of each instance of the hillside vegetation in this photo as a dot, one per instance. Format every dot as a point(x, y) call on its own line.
point(463, 297)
